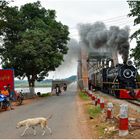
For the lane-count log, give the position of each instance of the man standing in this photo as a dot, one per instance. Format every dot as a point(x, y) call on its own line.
point(11, 94)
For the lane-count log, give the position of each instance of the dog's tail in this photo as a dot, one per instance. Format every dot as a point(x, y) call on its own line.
point(50, 116)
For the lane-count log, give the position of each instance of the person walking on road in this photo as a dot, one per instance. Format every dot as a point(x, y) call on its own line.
point(57, 88)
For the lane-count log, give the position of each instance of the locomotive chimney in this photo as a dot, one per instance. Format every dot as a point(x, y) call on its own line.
point(124, 62)
point(112, 62)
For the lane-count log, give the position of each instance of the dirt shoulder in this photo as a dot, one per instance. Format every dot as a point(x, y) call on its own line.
point(94, 127)
point(83, 119)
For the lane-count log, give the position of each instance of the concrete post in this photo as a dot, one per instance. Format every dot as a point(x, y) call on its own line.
point(98, 99)
point(109, 111)
point(123, 122)
point(102, 103)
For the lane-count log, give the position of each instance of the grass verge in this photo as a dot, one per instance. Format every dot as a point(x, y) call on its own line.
point(83, 96)
point(45, 95)
point(94, 111)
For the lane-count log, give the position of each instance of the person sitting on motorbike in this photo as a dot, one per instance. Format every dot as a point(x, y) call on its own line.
point(57, 88)
point(65, 86)
point(6, 93)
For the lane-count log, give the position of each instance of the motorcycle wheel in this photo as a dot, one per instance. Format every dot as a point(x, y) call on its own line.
point(19, 100)
point(1, 105)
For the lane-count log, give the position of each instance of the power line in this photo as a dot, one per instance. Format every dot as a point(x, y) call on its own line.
point(114, 18)
point(122, 20)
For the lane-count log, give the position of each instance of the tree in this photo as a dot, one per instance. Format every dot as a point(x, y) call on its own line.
point(34, 42)
point(135, 12)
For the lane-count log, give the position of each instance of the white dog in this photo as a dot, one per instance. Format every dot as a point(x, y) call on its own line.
point(35, 122)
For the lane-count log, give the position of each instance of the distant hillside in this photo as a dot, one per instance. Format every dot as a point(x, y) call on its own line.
point(71, 78)
point(44, 83)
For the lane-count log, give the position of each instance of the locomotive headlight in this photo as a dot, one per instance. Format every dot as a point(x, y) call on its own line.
point(127, 73)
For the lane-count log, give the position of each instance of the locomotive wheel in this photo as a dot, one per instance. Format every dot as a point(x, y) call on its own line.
point(19, 101)
point(1, 104)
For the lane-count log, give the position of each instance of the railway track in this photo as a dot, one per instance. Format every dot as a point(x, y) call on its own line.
point(136, 102)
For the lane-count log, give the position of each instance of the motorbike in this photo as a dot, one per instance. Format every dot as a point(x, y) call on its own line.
point(65, 88)
point(4, 102)
point(19, 97)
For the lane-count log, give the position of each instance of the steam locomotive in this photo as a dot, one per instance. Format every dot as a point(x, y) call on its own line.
point(119, 80)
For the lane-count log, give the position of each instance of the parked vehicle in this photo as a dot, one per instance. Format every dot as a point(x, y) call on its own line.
point(18, 97)
point(4, 102)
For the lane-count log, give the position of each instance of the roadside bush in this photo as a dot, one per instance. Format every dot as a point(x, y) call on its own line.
point(83, 96)
point(94, 111)
point(45, 95)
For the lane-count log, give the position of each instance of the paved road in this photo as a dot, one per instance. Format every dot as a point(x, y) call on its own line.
point(63, 123)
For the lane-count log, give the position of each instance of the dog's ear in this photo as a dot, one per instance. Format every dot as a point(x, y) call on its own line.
point(17, 126)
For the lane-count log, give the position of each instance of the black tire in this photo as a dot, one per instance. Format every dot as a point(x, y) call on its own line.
point(38, 94)
point(19, 100)
point(1, 104)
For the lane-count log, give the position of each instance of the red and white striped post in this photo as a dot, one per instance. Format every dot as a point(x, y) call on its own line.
point(93, 97)
point(109, 111)
point(102, 104)
point(96, 101)
point(123, 121)
point(90, 93)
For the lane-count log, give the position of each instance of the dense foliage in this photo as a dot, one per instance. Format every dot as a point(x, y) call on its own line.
point(33, 41)
point(135, 12)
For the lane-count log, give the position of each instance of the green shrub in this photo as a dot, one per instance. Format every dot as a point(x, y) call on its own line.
point(83, 96)
point(94, 111)
point(45, 95)
point(101, 129)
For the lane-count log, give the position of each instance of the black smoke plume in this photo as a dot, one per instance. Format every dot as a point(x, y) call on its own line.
point(98, 36)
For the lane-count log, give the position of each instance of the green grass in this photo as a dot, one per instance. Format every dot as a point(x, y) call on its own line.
point(94, 111)
point(83, 96)
point(45, 95)
point(101, 129)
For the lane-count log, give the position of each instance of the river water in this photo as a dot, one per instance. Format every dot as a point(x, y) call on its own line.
point(37, 89)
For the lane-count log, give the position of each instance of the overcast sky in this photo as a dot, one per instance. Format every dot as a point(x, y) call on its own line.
point(73, 12)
